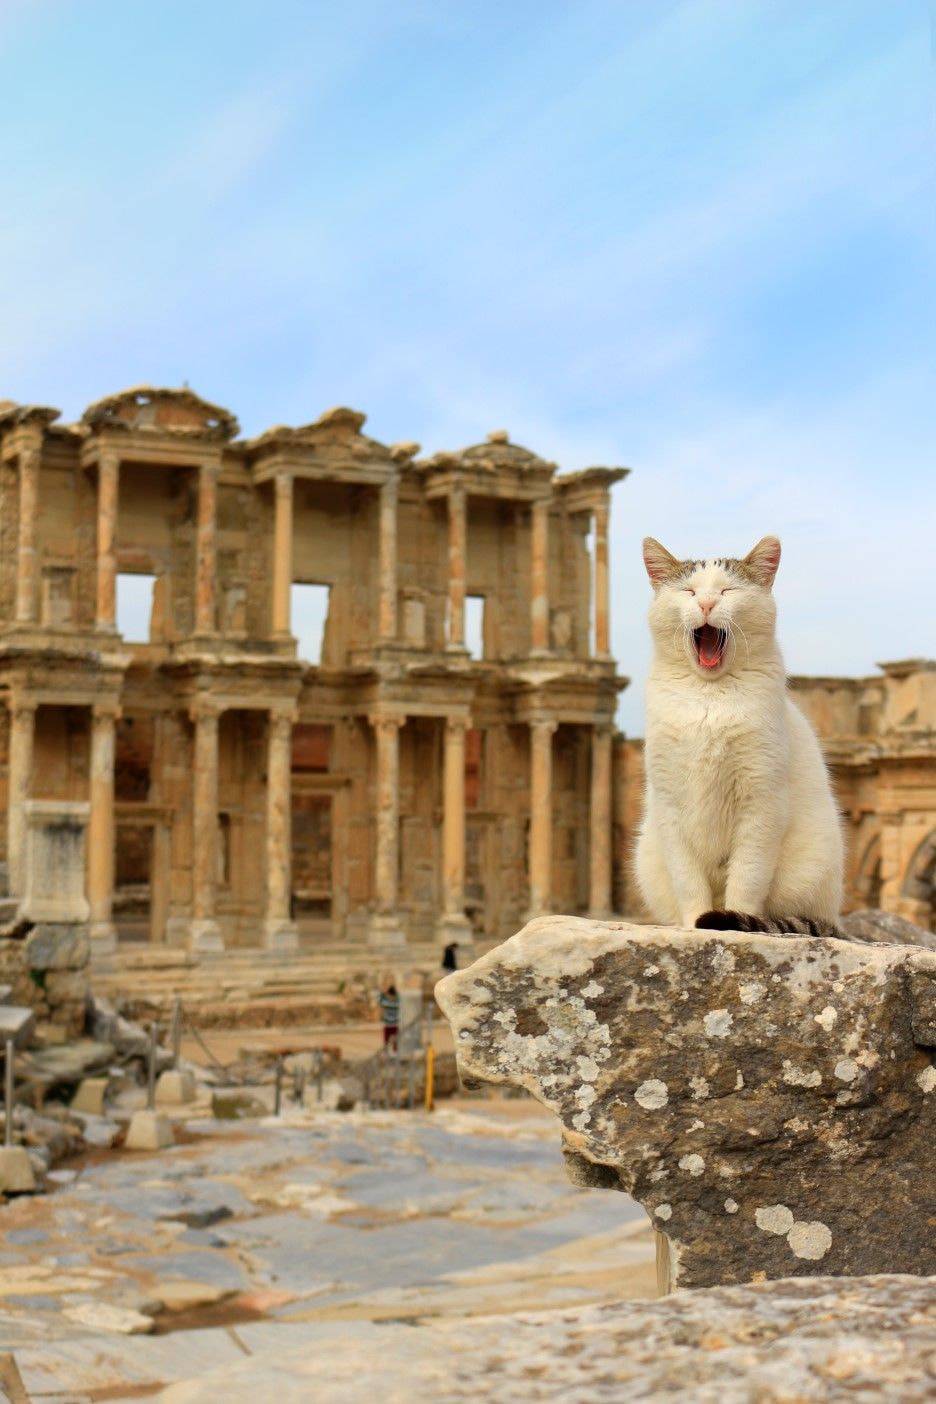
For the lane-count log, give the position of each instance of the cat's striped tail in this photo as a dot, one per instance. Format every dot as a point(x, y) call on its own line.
point(778, 926)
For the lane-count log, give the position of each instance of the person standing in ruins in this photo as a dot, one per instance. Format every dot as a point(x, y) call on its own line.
point(389, 1002)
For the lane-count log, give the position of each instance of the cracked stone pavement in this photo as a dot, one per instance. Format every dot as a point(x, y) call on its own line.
point(250, 1239)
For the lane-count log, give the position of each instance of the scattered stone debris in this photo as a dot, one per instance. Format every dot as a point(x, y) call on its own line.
point(683, 1089)
point(235, 1103)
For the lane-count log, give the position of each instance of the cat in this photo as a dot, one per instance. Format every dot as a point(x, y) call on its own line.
point(740, 831)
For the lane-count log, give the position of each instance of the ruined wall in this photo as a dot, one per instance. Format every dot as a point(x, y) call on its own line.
point(627, 810)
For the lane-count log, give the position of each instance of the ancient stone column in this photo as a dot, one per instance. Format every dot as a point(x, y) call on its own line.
point(22, 736)
point(108, 486)
point(101, 831)
point(539, 577)
point(602, 592)
point(541, 821)
point(279, 929)
point(454, 925)
point(205, 933)
point(599, 889)
point(387, 611)
point(385, 924)
point(282, 553)
point(27, 565)
point(207, 550)
point(456, 565)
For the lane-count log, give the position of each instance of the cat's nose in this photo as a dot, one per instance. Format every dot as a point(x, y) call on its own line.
point(706, 606)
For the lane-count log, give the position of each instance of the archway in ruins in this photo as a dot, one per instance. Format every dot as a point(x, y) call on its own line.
point(868, 876)
point(920, 882)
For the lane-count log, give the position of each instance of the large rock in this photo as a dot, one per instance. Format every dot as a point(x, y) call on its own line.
point(57, 946)
point(771, 1100)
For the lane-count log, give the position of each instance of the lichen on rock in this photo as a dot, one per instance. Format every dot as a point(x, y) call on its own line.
point(698, 1070)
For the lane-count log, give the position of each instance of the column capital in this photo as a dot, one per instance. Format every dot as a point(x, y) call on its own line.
point(457, 723)
point(109, 711)
point(383, 720)
point(19, 706)
point(544, 725)
point(204, 709)
point(283, 480)
point(30, 455)
point(108, 460)
point(285, 717)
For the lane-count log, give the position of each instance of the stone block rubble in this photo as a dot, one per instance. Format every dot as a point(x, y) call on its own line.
point(771, 1101)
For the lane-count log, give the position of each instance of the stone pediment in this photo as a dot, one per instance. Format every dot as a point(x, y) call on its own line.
point(331, 445)
point(336, 428)
point(495, 455)
point(12, 414)
point(145, 409)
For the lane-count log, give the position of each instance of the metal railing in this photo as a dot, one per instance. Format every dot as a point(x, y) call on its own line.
point(382, 1075)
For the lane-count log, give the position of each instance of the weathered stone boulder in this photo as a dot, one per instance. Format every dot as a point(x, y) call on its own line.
point(770, 1100)
point(57, 946)
point(871, 924)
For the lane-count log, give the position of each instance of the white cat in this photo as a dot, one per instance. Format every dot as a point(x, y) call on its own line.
point(739, 814)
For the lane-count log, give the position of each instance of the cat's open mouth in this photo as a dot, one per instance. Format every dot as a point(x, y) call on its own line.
point(709, 645)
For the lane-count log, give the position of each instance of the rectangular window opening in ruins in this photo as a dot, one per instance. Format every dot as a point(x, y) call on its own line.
point(135, 606)
point(588, 587)
point(474, 625)
point(309, 612)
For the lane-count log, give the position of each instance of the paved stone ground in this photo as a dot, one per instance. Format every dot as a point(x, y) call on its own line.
point(251, 1239)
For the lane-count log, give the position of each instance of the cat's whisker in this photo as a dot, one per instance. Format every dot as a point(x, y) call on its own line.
point(747, 646)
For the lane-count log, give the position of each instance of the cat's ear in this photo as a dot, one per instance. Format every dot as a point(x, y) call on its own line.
point(660, 564)
point(762, 560)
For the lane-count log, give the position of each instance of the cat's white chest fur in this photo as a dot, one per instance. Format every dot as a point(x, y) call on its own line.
point(739, 813)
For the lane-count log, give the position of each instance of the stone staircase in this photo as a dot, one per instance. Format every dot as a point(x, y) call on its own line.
point(332, 983)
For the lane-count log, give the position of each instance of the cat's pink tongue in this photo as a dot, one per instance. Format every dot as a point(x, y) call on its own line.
point(709, 651)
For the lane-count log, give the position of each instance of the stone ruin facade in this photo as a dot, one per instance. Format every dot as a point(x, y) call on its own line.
point(879, 738)
point(401, 786)
point(395, 789)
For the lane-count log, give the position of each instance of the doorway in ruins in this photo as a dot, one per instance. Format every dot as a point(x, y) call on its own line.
point(312, 863)
point(141, 834)
point(312, 826)
point(133, 876)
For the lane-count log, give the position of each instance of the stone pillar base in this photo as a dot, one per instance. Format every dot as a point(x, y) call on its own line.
point(205, 936)
point(385, 929)
point(280, 935)
point(103, 937)
point(16, 1172)
point(177, 931)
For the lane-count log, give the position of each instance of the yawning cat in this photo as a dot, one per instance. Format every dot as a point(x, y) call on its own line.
point(740, 830)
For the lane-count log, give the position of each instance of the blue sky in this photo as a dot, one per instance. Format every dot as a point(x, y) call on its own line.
point(694, 237)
